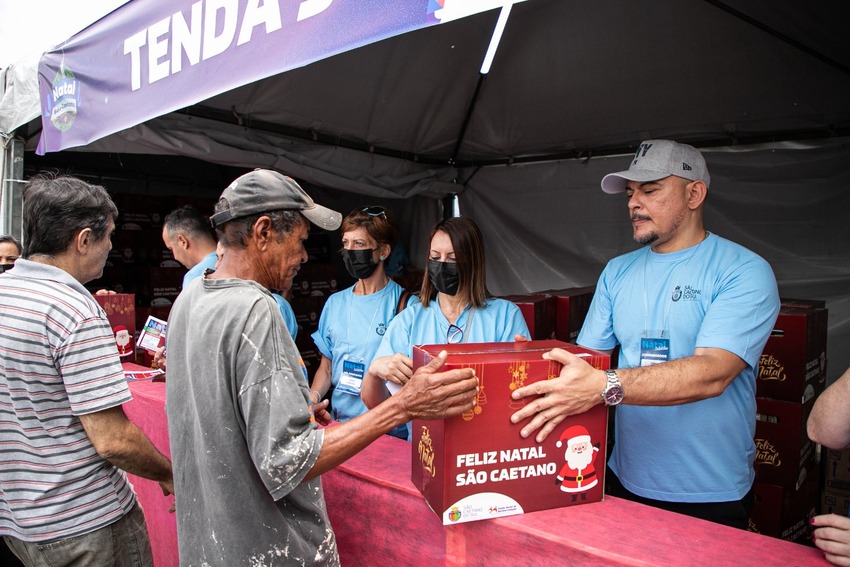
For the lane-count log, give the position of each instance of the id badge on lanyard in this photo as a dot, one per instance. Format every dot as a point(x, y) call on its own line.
point(352, 377)
point(654, 349)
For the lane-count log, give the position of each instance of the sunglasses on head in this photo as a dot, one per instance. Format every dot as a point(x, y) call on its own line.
point(374, 211)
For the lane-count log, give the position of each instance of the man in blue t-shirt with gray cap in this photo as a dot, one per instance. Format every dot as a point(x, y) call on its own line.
point(691, 313)
point(244, 440)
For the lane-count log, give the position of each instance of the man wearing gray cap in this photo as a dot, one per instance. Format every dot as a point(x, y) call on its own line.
point(691, 313)
point(244, 439)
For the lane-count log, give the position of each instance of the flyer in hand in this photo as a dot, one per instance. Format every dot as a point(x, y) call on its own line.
point(153, 334)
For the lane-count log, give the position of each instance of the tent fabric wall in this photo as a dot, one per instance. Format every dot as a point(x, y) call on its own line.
point(787, 202)
point(320, 164)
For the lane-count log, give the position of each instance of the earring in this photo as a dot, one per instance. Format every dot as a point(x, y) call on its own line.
point(380, 259)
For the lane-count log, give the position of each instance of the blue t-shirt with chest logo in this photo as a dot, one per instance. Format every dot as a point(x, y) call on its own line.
point(350, 329)
point(717, 294)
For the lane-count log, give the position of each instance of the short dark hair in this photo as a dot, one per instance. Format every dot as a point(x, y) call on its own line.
point(188, 220)
point(234, 233)
point(468, 244)
point(13, 240)
point(57, 207)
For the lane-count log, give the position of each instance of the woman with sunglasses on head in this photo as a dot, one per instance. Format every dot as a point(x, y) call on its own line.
point(454, 307)
point(354, 320)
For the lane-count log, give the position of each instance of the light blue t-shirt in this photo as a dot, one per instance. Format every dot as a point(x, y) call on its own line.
point(498, 321)
point(288, 314)
point(350, 330)
point(714, 295)
point(198, 269)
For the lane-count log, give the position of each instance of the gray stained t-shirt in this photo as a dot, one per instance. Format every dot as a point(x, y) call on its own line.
point(242, 439)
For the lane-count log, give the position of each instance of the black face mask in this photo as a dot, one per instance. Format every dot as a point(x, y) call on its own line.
point(444, 276)
point(6, 267)
point(359, 263)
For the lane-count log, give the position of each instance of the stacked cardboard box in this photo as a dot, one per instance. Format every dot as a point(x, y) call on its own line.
point(571, 307)
point(538, 310)
point(836, 489)
point(555, 313)
point(792, 373)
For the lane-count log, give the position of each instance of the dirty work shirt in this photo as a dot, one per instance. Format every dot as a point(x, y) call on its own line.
point(242, 438)
point(713, 295)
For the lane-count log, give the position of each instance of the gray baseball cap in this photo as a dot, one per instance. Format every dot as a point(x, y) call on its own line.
point(263, 191)
point(657, 159)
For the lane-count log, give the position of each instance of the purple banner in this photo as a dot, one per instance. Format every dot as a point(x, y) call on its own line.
point(151, 57)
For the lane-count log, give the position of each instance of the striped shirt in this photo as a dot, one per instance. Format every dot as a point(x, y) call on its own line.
point(58, 360)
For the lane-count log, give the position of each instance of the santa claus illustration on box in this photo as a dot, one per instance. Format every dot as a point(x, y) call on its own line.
point(578, 473)
point(123, 341)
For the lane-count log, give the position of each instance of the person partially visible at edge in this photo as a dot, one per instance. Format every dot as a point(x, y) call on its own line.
point(10, 250)
point(186, 233)
point(691, 312)
point(354, 320)
point(64, 495)
point(247, 450)
point(455, 306)
point(829, 425)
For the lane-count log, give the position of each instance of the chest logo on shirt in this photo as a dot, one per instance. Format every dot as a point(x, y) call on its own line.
point(381, 329)
point(687, 293)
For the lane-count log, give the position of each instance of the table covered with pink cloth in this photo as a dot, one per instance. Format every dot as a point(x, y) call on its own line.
point(147, 411)
point(381, 519)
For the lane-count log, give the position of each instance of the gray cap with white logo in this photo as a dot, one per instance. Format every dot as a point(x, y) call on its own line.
point(657, 159)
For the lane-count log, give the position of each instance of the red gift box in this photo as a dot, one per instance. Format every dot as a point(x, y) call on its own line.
point(571, 307)
point(784, 512)
point(120, 310)
point(477, 466)
point(538, 310)
point(793, 364)
point(784, 452)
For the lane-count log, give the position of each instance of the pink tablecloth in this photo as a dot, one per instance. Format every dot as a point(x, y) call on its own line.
point(147, 411)
point(380, 518)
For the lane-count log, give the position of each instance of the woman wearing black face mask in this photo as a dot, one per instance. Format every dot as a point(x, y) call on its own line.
point(354, 320)
point(455, 307)
point(10, 250)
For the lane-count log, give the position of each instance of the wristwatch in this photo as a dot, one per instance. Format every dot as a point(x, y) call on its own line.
point(613, 392)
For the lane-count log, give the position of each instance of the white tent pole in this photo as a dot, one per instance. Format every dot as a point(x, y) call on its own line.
point(496, 37)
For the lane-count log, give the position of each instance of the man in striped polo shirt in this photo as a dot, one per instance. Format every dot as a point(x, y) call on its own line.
point(64, 439)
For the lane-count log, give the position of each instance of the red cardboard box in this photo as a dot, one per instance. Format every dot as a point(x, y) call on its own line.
point(837, 473)
point(571, 307)
point(835, 502)
point(802, 303)
point(784, 512)
point(477, 466)
point(120, 309)
point(784, 453)
point(539, 313)
point(793, 363)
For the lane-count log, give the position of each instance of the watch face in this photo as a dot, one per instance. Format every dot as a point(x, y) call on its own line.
point(613, 395)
